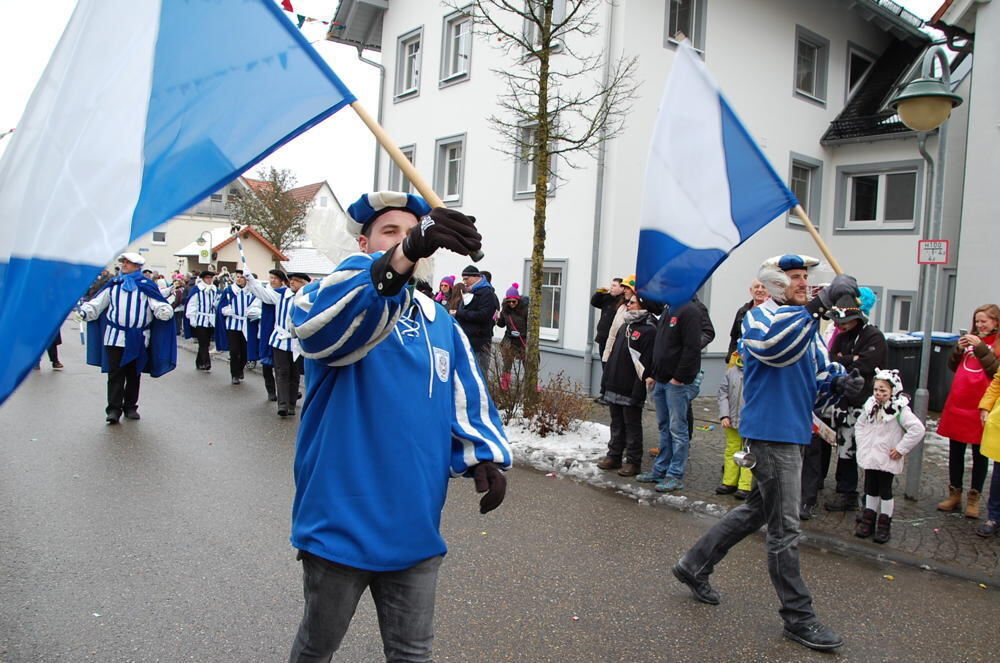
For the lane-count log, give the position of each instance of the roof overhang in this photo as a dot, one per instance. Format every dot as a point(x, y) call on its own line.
point(893, 18)
point(358, 23)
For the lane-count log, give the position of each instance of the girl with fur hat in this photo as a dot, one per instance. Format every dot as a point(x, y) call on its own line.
point(886, 431)
point(444, 290)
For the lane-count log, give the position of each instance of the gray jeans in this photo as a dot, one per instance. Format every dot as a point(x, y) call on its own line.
point(404, 601)
point(774, 501)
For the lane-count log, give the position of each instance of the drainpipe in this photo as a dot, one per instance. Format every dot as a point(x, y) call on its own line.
point(381, 103)
point(589, 348)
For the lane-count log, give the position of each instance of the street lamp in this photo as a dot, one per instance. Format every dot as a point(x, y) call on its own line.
point(924, 105)
point(204, 255)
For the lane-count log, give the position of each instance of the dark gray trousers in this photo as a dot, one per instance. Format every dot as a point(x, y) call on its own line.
point(774, 501)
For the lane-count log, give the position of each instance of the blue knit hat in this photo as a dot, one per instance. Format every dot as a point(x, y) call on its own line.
point(370, 206)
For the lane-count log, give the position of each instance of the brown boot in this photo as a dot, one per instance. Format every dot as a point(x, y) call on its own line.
point(954, 500)
point(972, 504)
point(609, 463)
point(629, 470)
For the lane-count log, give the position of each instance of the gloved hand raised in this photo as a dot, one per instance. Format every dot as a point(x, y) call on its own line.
point(842, 285)
point(849, 385)
point(490, 480)
point(442, 229)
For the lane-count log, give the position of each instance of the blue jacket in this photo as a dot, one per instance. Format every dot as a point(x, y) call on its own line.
point(395, 405)
point(786, 369)
point(222, 338)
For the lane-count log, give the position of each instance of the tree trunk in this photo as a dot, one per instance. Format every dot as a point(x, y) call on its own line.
point(541, 160)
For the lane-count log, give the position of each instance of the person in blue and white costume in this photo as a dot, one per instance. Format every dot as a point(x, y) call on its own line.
point(282, 343)
point(237, 320)
point(200, 317)
point(786, 369)
point(130, 332)
point(371, 473)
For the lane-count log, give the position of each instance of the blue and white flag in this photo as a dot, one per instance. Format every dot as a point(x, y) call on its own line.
point(708, 186)
point(145, 108)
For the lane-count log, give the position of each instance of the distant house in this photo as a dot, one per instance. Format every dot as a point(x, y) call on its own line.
point(223, 251)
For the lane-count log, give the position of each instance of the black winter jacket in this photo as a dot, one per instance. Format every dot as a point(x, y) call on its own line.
point(620, 375)
point(868, 344)
point(476, 317)
point(608, 304)
point(677, 354)
point(515, 320)
point(736, 333)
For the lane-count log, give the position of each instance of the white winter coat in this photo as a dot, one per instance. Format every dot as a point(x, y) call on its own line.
point(877, 434)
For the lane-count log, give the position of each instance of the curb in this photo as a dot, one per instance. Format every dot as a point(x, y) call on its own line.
point(815, 540)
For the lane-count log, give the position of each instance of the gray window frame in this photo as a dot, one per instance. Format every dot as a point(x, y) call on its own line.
point(813, 206)
point(698, 38)
point(842, 226)
point(520, 164)
point(395, 172)
point(562, 264)
point(158, 242)
point(439, 174)
point(416, 34)
point(890, 308)
point(878, 311)
point(446, 79)
point(528, 27)
point(822, 45)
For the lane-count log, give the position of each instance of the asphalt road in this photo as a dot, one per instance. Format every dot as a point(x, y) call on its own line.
point(167, 540)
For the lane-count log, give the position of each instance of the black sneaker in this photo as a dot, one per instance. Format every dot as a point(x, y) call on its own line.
point(723, 489)
point(814, 635)
point(132, 414)
point(113, 417)
point(700, 588)
point(807, 512)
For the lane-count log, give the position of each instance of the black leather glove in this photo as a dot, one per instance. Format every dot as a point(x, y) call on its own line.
point(849, 385)
point(442, 229)
point(842, 286)
point(490, 480)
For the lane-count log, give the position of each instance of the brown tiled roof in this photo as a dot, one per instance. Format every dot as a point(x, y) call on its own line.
point(250, 229)
point(306, 192)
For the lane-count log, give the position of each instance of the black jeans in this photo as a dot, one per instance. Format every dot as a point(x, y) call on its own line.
point(626, 433)
point(204, 336)
point(268, 373)
point(286, 373)
point(123, 383)
point(774, 501)
point(815, 464)
point(956, 465)
point(237, 352)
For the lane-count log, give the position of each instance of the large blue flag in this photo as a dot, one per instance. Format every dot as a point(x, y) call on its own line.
point(144, 109)
point(708, 186)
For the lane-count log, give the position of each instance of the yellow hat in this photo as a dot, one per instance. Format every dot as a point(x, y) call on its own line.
point(629, 281)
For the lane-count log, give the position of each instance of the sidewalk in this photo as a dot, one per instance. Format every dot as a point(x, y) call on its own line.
point(922, 536)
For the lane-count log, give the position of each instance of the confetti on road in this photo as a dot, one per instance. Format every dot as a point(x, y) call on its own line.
point(484, 533)
point(982, 586)
point(96, 614)
point(550, 474)
point(575, 618)
point(888, 577)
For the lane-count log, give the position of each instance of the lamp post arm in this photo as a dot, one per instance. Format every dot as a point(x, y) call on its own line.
point(927, 67)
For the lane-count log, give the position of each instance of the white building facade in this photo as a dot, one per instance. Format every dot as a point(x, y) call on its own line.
point(809, 79)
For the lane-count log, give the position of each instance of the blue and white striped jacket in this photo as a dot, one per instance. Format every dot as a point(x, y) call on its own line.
point(395, 404)
point(786, 373)
point(125, 310)
point(280, 298)
point(201, 302)
point(244, 307)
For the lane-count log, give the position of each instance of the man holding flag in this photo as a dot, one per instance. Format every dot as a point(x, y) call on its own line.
point(124, 339)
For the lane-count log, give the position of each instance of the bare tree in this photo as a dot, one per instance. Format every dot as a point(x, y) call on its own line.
point(560, 100)
point(271, 209)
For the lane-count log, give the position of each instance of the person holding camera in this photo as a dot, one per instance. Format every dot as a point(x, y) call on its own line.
point(786, 370)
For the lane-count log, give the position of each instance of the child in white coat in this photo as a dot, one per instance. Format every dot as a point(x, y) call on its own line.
point(886, 431)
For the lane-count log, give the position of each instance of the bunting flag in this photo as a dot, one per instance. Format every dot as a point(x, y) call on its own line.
point(111, 147)
point(708, 186)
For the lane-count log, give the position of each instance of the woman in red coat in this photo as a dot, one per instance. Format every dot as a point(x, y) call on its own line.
point(975, 361)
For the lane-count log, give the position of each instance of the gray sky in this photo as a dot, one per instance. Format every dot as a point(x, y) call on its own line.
point(341, 150)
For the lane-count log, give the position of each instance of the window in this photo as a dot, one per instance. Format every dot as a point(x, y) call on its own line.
point(456, 49)
point(811, 57)
point(531, 31)
point(900, 311)
point(525, 170)
point(882, 196)
point(408, 64)
point(858, 64)
point(159, 237)
point(397, 180)
point(449, 167)
point(234, 193)
point(805, 179)
point(688, 18)
point(323, 201)
point(216, 198)
point(551, 300)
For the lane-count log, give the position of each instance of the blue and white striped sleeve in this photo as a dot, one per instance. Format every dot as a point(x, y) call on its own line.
point(477, 434)
point(780, 338)
point(341, 318)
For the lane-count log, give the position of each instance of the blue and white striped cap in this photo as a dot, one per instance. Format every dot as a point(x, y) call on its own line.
point(370, 206)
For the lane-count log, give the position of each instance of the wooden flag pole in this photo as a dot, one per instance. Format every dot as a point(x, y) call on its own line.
point(397, 156)
point(801, 213)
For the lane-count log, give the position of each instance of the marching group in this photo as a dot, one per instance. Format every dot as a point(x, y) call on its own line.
point(790, 398)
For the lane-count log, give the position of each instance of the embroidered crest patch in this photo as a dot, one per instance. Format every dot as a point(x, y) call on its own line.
point(442, 364)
